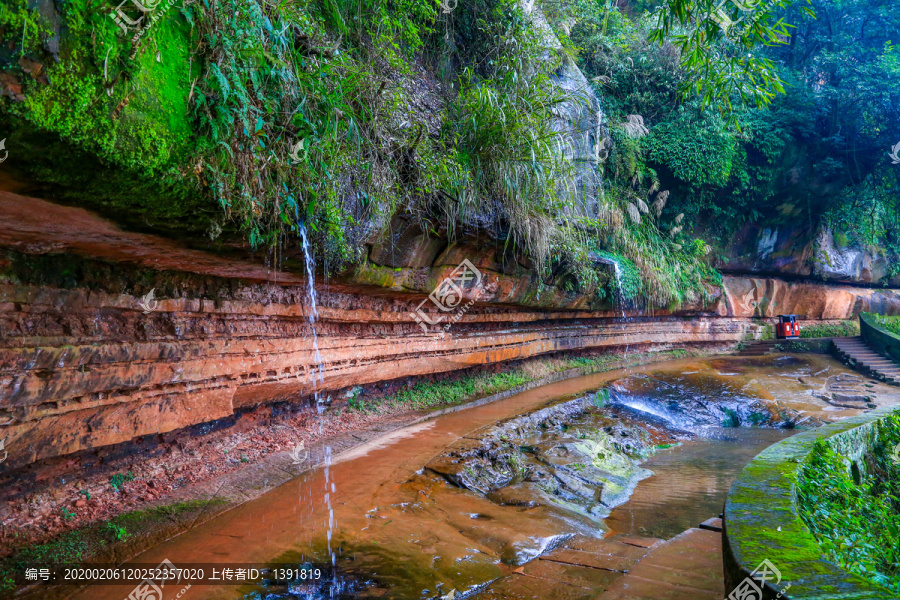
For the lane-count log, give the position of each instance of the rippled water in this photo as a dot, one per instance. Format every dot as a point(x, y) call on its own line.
point(689, 482)
point(401, 531)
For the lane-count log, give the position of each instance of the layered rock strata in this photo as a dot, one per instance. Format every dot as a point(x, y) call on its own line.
point(81, 369)
point(88, 359)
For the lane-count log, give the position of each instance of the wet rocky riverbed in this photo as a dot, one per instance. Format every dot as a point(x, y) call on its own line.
point(444, 508)
point(585, 455)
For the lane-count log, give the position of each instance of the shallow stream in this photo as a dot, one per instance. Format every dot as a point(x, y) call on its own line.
point(650, 456)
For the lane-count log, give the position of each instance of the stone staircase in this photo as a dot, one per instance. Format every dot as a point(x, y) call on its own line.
point(758, 347)
point(857, 354)
point(622, 567)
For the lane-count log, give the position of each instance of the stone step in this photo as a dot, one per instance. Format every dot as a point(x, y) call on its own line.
point(526, 587)
point(879, 367)
point(635, 540)
point(713, 524)
point(579, 570)
point(687, 567)
point(876, 367)
point(857, 353)
point(622, 567)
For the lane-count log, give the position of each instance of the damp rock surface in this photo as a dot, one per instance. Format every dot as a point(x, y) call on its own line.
point(577, 455)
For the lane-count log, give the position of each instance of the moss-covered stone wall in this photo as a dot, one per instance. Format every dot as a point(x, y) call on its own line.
point(762, 521)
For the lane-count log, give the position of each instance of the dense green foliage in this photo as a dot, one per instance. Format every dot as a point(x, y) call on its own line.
point(822, 330)
point(717, 43)
point(854, 509)
point(306, 115)
point(816, 156)
point(892, 324)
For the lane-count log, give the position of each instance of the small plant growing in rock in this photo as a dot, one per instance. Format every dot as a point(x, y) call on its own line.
point(732, 419)
point(758, 418)
point(67, 514)
point(117, 532)
point(85, 493)
point(356, 403)
point(119, 479)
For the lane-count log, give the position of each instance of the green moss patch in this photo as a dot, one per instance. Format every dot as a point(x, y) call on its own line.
point(798, 506)
point(113, 540)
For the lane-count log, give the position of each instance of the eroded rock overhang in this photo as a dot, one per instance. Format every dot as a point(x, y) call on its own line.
point(87, 361)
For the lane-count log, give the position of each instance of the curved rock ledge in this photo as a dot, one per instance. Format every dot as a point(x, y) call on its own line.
point(84, 364)
point(762, 523)
point(81, 369)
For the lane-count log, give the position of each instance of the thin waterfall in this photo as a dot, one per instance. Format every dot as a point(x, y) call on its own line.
point(620, 293)
point(319, 377)
point(620, 300)
point(312, 316)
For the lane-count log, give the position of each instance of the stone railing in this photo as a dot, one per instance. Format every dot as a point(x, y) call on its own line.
point(878, 338)
point(764, 533)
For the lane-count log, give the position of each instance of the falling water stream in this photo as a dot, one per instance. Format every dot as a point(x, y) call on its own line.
point(620, 299)
point(313, 315)
point(318, 376)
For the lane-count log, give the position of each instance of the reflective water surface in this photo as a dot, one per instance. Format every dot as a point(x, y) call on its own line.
point(401, 530)
point(689, 482)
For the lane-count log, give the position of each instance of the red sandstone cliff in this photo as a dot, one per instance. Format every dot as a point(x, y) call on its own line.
point(84, 364)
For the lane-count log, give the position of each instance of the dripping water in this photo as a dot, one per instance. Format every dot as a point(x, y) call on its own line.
point(312, 316)
point(620, 298)
point(620, 301)
point(318, 376)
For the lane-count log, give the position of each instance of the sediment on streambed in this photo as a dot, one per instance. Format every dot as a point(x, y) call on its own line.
point(584, 454)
